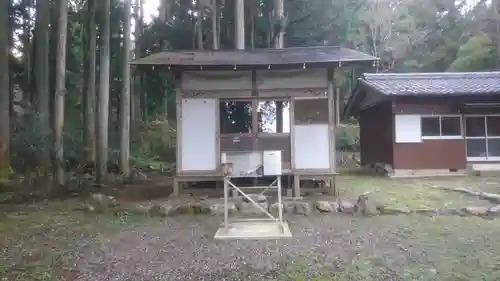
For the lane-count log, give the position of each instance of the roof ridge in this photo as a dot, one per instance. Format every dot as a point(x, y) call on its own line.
point(432, 75)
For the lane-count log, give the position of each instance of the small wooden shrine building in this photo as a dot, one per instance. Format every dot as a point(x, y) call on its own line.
point(253, 81)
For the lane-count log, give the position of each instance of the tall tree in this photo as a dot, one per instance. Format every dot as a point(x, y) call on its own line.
point(26, 41)
point(279, 43)
point(199, 24)
point(495, 4)
point(239, 26)
point(139, 29)
point(4, 90)
point(89, 87)
point(125, 95)
point(42, 101)
point(60, 85)
point(103, 97)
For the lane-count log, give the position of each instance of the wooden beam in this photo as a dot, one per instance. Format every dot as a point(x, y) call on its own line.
point(178, 158)
point(255, 104)
point(337, 106)
point(332, 120)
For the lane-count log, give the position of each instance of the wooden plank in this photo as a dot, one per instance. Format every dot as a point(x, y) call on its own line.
point(217, 138)
point(331, 116)
point(255, 106)
point(275, 94)
point(216, 80)
point(337, 107)
point(208, 94)
point(292, 93)
point(312, 172)
point(296, 186)
point(291, 79)
point(292, 133)
point(264, 141)
point(178, 102)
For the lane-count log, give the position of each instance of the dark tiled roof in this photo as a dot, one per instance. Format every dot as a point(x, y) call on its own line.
point(257, 57)
point(449, 83)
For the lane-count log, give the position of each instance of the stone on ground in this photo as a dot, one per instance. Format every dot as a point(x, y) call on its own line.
point(218, 208)
point(346, 206)
point(163, 209)
point(476, 210)
point(495, 210)
point(367, 206)
point(301, 208)
point(297, 207)
point(255, 197)
point(100, 202)
point(326, 206)
point(146, 209)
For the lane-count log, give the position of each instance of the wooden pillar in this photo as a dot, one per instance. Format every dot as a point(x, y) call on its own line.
point(255, 116)
point(215, 27)
point(296, 186)
point(239, 26)
point(337, 106)
point(175, 188)
point(296, 178)
point(279, 43)
point(178, 98)
point(332, 122)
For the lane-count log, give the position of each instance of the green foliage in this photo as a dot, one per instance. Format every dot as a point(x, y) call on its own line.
point(408, 35)
point(347, 138)
point(478, 54)
point(155, 145)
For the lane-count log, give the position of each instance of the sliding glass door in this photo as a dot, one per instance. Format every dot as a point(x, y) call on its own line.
point(482, 136)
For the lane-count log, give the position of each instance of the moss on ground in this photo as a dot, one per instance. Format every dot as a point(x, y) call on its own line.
point(412, 194)
point(5, 173)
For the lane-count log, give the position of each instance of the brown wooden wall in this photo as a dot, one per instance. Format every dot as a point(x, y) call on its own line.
point(429, 154)
point(376, 134)
point(378, 144)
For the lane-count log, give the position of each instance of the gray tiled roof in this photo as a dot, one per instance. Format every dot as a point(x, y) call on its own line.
point(257, 57)
point(449, 83)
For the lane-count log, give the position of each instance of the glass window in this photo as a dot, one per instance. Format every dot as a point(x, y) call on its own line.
point(476, 147)
point(450, 126)
point(493, 147)
point(474, 127)
point(235, 117)
point(493, 126)
point(430, 127)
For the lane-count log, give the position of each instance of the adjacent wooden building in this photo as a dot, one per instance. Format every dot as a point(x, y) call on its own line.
point(428, 123)
point(302, 79)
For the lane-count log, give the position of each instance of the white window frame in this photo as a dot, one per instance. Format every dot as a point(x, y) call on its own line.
point(485, 137)
point(441, 137)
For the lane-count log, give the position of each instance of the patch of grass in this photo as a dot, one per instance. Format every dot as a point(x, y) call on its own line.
point(407, 193)
point(414, 248)
point(438, 248)
point(125, 220)
point(296, 271)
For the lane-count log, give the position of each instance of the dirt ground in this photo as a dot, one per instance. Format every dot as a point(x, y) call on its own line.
point(53, 242)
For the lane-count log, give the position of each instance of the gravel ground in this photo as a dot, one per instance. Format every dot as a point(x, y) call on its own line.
point(181, 250)
point(412, 247)
point(53, 242)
